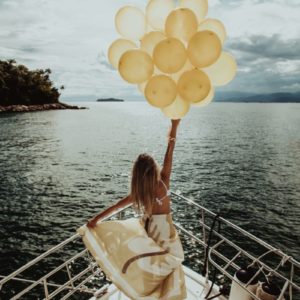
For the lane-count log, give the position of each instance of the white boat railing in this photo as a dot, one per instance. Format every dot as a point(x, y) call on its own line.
point(287, 283)
point(82, 275)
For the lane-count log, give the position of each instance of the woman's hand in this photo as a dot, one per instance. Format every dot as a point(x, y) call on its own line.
point(175, 122)
point(122, 203)
point(173, 129)
point(92, 223)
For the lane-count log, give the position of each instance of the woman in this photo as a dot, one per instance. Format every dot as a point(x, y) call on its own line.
point(149, 185)
point(153, 253)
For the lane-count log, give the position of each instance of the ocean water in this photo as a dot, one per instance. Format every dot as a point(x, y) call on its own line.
point(58, 168)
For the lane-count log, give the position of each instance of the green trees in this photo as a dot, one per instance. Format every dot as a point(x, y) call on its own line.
point(19, 85)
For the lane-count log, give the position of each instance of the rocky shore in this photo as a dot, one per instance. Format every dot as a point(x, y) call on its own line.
point(41, 107)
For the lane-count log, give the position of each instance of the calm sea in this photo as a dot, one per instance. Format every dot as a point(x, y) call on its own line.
point(58, 168)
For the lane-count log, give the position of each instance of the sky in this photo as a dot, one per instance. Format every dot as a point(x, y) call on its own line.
point(71, 37)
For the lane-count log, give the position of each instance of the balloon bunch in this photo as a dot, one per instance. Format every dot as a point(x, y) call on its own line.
point(173, 54)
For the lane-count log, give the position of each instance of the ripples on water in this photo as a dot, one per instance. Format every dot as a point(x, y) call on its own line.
point(58, 168)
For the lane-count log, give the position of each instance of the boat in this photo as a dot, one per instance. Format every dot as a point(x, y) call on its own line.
point(216, 250)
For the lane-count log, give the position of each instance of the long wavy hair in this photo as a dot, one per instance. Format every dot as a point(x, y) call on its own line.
point(144, 180)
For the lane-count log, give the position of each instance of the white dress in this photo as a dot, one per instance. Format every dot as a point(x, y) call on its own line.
point(142, 257)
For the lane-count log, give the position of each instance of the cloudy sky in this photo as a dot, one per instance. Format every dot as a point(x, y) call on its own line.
point(72, 37)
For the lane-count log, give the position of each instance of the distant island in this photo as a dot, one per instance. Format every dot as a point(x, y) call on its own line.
point(23, 90)
point(109, 100)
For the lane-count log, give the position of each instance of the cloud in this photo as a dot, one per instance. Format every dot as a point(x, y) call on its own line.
point(254, 17)
point(62, 35)
point(102, 59)
point(273, 47)
point(253, 2)
point(72, 38)
point(266, 64)
point(266, 77)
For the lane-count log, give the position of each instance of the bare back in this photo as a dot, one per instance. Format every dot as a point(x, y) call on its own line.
point(162, 201)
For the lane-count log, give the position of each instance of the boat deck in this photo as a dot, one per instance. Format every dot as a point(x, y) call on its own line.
point(196, 285)
point(225, 251)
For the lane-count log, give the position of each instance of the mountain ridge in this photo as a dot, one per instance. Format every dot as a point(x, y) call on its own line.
point(277, 97)
point(234, 96)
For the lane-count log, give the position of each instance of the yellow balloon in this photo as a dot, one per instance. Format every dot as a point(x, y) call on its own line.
point(157, 12)
point(149, 28)
point(150, 40)
point(187, 67)
point(207, 100)
point(130, 22)
point(136, 66)
point(182, 24)
point(204, 49)
point(194, 86)
point(199, 7)
point(117, 49)
point(169, 55)
point(216, 26)
point(177, 110)
point(223, 70)
point(142, 86)
point(161, 91)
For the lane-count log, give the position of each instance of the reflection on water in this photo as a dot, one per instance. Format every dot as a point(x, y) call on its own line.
point(58, 168)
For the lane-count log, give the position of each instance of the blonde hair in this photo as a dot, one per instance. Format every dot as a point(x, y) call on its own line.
point(144, 180)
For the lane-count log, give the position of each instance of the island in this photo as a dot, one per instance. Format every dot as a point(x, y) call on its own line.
point(24, 90)
point(109, 100)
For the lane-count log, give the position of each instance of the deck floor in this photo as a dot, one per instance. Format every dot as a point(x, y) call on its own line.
point(195, 284)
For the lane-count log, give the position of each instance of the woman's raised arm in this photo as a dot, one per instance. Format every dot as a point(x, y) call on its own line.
point(122, 203)
point(167, 165)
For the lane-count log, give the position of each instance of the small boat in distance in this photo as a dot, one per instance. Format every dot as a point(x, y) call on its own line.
point(223, 261)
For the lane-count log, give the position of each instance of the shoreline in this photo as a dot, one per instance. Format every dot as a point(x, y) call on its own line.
point(38, 107)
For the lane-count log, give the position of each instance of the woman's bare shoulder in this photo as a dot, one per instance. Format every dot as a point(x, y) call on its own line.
point(165, 179)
